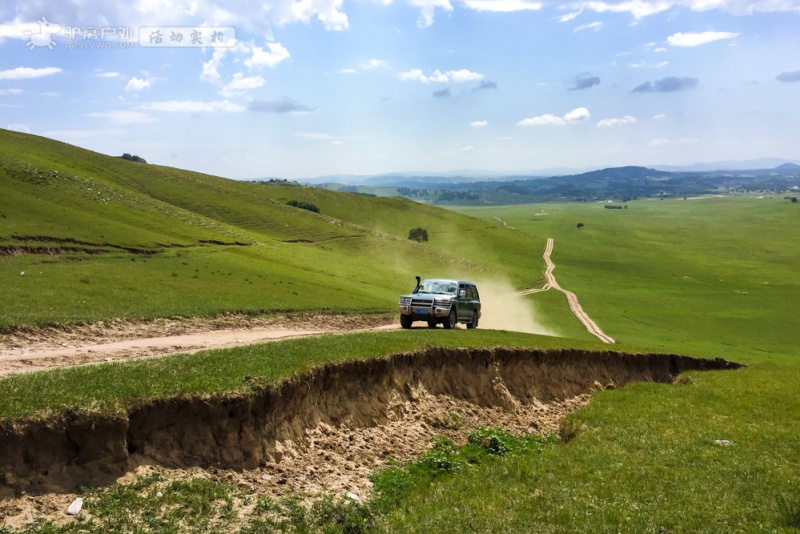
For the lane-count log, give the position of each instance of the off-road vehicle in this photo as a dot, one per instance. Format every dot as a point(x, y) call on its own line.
point(441, 300)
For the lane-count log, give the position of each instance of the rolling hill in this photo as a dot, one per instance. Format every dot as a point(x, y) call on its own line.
point(85, 236)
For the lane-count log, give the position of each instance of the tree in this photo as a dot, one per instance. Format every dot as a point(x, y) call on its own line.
point(580, 225)
point(794, 200)
point(418, 234)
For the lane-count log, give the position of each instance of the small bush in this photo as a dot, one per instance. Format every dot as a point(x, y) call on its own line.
point(303, 205)
point(418, 234)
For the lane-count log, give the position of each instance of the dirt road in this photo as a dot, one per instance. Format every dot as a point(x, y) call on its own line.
point(574, 304)
point(47, 348)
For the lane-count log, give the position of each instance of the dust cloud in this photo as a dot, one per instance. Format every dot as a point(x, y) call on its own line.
point(503, 308)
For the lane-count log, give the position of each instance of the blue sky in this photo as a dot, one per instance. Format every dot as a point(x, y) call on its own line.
point(318, 87)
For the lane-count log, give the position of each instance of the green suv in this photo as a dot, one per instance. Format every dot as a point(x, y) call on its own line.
point(441, 300)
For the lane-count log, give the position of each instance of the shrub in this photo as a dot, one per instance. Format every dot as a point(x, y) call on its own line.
point(418, 234)
point(303, 205)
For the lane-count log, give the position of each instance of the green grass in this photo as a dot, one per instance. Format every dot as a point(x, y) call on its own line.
point(709, 278)
point(150, 241)
point(112, 387)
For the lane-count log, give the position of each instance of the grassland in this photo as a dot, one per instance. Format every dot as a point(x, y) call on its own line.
point(99, 237)
point(705, 277)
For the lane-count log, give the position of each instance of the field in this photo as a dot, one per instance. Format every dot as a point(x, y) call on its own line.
point(712, 277)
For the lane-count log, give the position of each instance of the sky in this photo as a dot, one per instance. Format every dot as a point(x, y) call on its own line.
point(306, 88)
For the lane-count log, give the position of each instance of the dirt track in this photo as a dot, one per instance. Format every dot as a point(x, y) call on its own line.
point(48, 348)
point(574, 304)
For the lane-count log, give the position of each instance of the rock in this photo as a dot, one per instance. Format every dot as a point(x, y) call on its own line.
point(75, 507)
point(723, 442)
point(352, 496)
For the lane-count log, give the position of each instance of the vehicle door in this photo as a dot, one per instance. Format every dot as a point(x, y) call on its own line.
point(463, 303)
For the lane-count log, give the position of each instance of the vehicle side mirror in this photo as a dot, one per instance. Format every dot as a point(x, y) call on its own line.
point(462, 293)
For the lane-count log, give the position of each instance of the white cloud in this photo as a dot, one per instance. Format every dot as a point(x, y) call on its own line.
point(240, 83)
point(210, 72)
point(659, 116)
point(428, 9)
point(137, 84)
point(569, 16)
point(13, 91)
point(596, 26)
point(108, 75)
point(24, 73)
point(577, 115)
point(124, 117)
point(348, 71)
point(609, 123)
point(697, 39)
point(645, 65)
point(18, 128)
point(543, 120)
point(271, 58)
point(659, 141)
point(479, 124)
point(502, 6)
point(660, 50)
point(193, 106)
point(451, 76)
point(373, 64)
point(467, 148)
point(548, 119)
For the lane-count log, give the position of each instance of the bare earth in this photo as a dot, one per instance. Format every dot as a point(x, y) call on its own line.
point(47, 348)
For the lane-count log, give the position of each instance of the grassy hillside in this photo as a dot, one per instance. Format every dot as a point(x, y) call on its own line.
point(99, 237)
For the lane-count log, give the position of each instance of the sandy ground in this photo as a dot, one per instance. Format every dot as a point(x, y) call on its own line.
point(47, 348)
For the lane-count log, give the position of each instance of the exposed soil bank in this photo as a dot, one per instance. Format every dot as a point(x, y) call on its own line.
point(276, 423)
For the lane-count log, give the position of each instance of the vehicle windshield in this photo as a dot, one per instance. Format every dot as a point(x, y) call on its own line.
point(443, 287)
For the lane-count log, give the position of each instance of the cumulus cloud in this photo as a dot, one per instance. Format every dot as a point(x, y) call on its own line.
point(241, 83)
point(137, 84)
point(428, 10)
point(373, 64)
point(192, 106)
point(24, 73)
point(442, 93)
point(697, 39)
point(666, 85)
point(479, 124)
point(454, 76)
point(548, 119)
point(788, 77)
point(124, 117)
point(502, 6)
point(108, 74)
point(281, 105)
point(275, 54)
point(610, 123)
point(12, 91)
point(585, 80)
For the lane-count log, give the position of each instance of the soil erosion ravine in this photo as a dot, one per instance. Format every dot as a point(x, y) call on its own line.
point(324, 430)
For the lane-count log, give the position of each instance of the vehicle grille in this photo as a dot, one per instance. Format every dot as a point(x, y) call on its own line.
point(421, 303)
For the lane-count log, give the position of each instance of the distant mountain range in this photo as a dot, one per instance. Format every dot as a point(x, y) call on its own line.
point(401, 179)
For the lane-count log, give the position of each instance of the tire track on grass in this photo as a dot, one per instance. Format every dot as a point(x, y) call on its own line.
point(574, 304)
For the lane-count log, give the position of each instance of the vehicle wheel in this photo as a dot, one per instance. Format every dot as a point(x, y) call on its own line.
point(474, 321)
point(432, 324)
point(451, 320)
point(405, 321)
